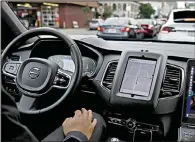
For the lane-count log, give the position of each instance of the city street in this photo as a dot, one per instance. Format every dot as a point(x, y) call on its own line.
point(87, 32)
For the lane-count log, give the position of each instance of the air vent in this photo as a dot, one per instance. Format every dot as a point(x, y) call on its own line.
point(172, 81)
point(109, 75)
point(15, 58)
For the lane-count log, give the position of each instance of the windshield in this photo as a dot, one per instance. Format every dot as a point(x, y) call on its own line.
point(145, 21)
point(94, 21)
point(112, 19)
point(116, 21)
point(187, 16)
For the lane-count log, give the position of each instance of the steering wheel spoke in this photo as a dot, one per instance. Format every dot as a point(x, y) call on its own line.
point(10, 69)
point(62, 79)
point(27, 103)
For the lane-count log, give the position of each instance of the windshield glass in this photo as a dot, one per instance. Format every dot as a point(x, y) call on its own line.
point(116, 21)
point(112, 19)
point(145, 21)
point(94, 21)
point(187, 16)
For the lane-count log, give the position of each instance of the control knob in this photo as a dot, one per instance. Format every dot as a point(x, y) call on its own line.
point(131, 124)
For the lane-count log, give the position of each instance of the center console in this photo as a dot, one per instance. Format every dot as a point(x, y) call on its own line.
point(136, 87)
point(187, 130)
point(137, 130)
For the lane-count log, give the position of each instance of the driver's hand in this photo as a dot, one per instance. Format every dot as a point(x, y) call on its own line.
point(82, 122)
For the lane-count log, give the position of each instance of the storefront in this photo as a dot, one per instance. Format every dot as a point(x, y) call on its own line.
point(50, 15)
point(37, 14)
point(26, 12)
point(57, 14)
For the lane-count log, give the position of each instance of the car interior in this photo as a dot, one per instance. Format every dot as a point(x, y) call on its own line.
point(143, 89)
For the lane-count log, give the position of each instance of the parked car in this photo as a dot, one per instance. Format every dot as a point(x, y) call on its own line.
point(120, 27)
point(150, 26)
point(94, 23)
point(180, 26)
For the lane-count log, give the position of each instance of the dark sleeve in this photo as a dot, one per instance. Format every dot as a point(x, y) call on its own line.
point(12, 129)
point(75, 136)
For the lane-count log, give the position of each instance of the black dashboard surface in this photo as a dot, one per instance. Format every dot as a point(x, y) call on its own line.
point(101, 53)
point(104, 61)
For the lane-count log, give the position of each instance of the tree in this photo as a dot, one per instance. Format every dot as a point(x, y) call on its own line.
point(107, 12)
point(87, 12)
point(97, 14)
point(146, 10)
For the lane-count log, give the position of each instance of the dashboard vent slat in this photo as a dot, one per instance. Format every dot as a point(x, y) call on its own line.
point(172, 81)
point(109, 75)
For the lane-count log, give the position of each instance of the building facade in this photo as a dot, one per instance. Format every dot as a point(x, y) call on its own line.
point(56, 13)
point(124, 8)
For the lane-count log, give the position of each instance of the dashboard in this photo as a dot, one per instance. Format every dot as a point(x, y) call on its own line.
point(126, 76)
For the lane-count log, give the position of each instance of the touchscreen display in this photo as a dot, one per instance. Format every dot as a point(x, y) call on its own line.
point(138, 77)
point(190, 104)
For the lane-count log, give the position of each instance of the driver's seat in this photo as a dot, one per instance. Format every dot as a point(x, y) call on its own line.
point(14, 130)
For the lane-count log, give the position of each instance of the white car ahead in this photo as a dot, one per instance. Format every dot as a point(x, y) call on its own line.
point(179, 27)
point(94, 23)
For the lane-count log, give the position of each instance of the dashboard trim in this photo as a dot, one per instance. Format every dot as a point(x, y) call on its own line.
point(98, 62)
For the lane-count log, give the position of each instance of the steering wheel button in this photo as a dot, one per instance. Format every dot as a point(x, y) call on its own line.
point(11, 68)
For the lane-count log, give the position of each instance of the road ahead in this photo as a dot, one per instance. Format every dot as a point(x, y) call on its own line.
point(91, 33)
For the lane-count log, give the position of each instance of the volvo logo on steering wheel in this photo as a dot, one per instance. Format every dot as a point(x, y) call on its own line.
point(34, 72)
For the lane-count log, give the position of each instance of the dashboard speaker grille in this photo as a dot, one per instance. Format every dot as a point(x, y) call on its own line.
point(109, 75)
point(172, 81)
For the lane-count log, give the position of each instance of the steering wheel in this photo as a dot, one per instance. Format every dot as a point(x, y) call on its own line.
point(35, 77)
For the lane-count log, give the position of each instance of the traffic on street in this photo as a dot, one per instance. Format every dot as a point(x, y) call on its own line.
point(91, 33)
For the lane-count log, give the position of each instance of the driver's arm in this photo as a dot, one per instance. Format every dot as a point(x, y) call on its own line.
point(80, 127)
